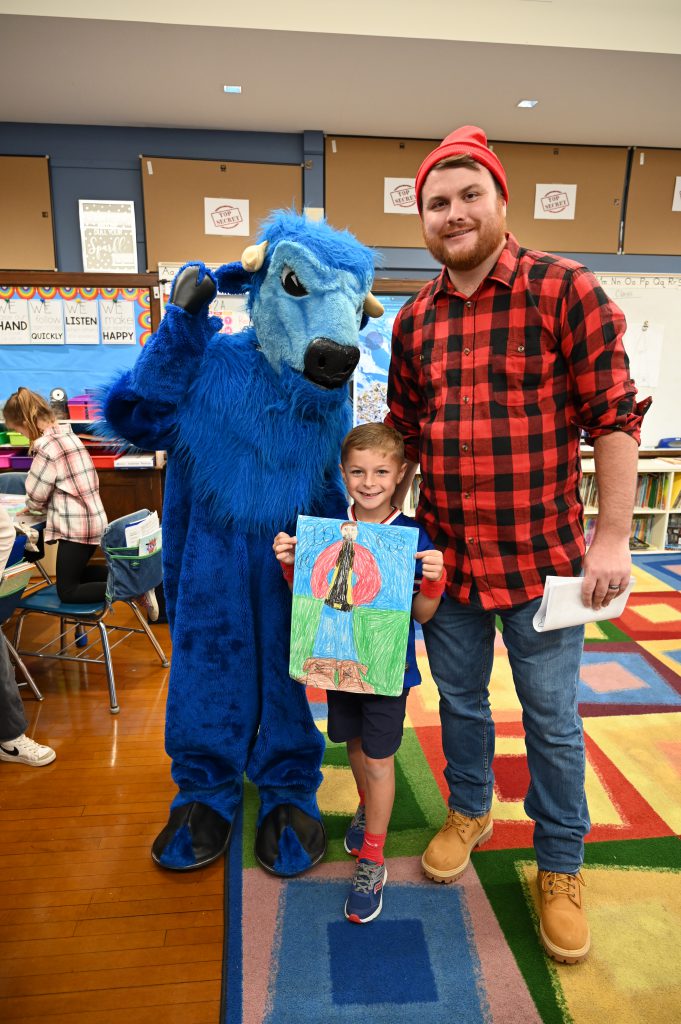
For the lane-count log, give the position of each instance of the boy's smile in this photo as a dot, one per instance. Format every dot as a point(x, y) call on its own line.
point(371, 477)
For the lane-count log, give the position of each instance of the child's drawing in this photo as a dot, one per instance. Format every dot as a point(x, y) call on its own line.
point(352, 597)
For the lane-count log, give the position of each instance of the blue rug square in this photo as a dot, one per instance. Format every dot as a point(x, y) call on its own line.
point(419, 956)
point(358, 974)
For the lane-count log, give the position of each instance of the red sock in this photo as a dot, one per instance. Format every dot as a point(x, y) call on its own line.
point(361, 795)
point(372, 848)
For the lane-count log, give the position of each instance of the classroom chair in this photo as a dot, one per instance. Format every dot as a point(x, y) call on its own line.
point(129, 576)
point(8, 605)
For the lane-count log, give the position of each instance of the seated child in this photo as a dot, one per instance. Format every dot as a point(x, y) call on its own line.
point(62, 482)
point(372, 464)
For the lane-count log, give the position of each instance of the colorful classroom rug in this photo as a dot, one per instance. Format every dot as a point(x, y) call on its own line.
point(469, 952)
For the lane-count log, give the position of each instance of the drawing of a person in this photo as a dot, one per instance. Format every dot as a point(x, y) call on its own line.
point(355, 579)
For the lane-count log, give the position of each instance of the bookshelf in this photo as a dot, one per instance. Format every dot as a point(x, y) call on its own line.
point(656, 522)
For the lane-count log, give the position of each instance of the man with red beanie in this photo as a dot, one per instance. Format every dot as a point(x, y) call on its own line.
point(497, 366)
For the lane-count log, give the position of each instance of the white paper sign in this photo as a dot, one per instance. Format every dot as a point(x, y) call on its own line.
point(108, 236)
point(399, 196)
point(676, 201)
point(81, 320)
point(226, 216)
point(118, 321)
point(562, 605)
point(46, 317)
point(14, 322)
point(555, 202)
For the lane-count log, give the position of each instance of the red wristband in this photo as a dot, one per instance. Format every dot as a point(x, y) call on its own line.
point(434, 588)
point(287, 571)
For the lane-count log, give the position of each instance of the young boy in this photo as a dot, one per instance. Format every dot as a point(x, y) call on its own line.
point(373, 464)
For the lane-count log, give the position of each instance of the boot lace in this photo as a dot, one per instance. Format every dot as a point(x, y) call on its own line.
point(459, 821)
point(360, 818)
point(556, 883)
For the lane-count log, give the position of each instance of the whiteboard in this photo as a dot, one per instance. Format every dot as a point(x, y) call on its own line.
point(652, 306)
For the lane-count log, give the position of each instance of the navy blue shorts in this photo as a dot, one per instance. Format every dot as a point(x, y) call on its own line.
point(377, 721)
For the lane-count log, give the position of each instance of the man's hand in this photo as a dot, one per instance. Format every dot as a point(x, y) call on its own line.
point(607, 571)
point(432, 563)
point(284, 548)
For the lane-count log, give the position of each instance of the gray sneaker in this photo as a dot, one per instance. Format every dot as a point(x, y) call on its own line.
point(365, 901)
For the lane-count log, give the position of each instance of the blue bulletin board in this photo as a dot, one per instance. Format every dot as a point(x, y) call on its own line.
point(73, 337)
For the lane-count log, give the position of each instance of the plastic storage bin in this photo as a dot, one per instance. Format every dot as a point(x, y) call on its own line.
point(104, 461)
point(17, 439)
point(20, 461)
point(81, 407)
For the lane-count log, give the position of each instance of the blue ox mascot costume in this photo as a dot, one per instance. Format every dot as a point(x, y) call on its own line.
point(252, 424)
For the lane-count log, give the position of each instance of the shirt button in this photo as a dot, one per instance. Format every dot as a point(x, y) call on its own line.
point(467, 494)
point(521, 348)
point(466, 351)
point(469, 305)
point(464, 447)
point(466, 399)
point(471, 540)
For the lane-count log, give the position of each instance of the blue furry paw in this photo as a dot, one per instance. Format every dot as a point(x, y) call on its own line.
point(289, 841)
point(195, 836)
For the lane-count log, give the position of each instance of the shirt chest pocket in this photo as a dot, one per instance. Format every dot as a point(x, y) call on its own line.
point(519, 365)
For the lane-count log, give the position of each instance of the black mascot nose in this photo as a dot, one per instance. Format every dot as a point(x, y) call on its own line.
point(329, 364)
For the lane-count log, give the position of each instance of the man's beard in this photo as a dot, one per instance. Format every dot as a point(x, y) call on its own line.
point(490, 237)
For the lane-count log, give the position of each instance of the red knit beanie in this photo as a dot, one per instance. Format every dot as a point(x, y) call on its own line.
point(466, 141)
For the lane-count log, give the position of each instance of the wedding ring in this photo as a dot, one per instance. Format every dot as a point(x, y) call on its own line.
point(613, 586)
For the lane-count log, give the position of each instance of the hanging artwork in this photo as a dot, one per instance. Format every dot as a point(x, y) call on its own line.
point(352, 594)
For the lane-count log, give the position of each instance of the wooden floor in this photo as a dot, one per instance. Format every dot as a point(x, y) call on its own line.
point(92, 931)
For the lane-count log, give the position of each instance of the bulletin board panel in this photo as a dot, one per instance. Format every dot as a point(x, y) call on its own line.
point(174, 192)
point(26, 238)
point(597, 171)
point(651, 226)
point(66, 349)
point(355, 170)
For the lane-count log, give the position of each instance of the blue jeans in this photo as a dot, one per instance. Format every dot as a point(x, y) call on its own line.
point(460, 645)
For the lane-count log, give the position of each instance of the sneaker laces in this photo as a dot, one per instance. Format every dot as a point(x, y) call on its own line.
point(366, 875)
point(25, 745)
point(360, 818)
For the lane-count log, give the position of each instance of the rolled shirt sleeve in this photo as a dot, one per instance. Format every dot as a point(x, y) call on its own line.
point(592, 331)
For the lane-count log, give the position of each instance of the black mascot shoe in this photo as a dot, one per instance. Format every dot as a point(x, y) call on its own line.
point(195, 835)
point(289, 841)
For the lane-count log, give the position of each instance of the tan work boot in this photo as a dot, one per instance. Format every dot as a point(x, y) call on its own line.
point(563, 925)
point(449, 851)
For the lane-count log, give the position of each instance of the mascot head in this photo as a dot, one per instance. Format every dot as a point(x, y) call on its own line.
point(309, 295)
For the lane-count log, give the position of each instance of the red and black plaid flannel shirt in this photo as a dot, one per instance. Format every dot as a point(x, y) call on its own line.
point(490, 392)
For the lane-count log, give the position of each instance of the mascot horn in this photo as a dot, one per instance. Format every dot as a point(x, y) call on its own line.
point(252, 424)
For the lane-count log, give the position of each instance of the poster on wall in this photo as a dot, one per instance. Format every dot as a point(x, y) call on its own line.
point(399, 196)
point(226, 216)
point(676, 201)
point(555, 202)
point(108, 236)
point(370, 381)
point(81, 322)
point(46, 317)
point(14, 322)
point(118, 321)
point(231, 309)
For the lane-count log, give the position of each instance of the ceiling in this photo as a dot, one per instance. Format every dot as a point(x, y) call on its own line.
point(605, 72)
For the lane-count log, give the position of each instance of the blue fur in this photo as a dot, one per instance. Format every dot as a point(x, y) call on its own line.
point(252, 444)
point(179, 852)
point(293, 859)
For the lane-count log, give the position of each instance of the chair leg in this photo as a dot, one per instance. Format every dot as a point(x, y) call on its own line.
point(113, 702)
point(17, 629)
point(24, 671)
point(154, 642)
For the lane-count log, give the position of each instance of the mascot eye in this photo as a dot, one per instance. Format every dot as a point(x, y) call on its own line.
point(292, 285)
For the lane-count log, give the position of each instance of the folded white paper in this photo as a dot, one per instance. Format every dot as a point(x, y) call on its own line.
point(562, 604)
